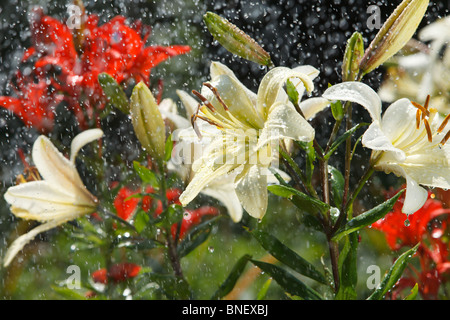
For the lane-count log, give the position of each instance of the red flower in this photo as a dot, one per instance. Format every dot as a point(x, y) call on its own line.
point(126, 208)
point(114, 47)
point(398, 234)
point(117, 272)
point(192, 218)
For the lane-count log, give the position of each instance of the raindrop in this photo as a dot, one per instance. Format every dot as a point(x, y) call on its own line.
point(407, 223)
point(211, 249)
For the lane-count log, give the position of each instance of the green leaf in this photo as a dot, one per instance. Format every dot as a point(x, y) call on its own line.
point(114, 92)
point(337, 110)
point(337, 185)
point(263, 292)
point(232, 278)
point(140, 220)
point(235, 40)
point(302, 201)
point(287, 281)
point(173, 287)
point(287, 256)
point(394, 274)
point(168, 148)
point(291, 91)
point(70, 294)
point(367, 218)
point(196, 237)
point(413, 294)
point(146, 175)
point(348, 274)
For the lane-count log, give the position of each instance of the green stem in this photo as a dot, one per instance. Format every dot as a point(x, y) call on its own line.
point(171, 245)
point(291, 164)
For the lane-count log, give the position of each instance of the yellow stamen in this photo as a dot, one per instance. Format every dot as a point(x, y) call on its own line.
point(216, 94)
point(204, 100)
point(427, 127)
point(418, 113)
point(421, 108)
point(444, 140)
point(444, 123)
point(427, 101)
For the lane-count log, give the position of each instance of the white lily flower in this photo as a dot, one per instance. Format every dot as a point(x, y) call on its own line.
point(408, 140)
point(60, 197)
point(242, 128)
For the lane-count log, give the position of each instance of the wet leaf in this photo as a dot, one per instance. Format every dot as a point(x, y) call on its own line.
point(232, 278)
point(146, 175)
point(287, 281)
point(348, 273)
point(287, 256)
point(394, 274)
point(302, 201)
point(367, 218)
point(114, 92)
point(337, 185)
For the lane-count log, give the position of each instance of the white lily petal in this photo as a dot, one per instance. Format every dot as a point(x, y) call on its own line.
point(356, 92)
point(169, 111)
point(83, 139)
point(415, 196)
point(21, 241)
point(57, 170)
point(375, 139)
point(37, 200)
point(284, 122)
point(310, 71)
point(227, 196)
point(217, 69)
point(310, 107)
point(202, 177)
point(234, 95)
point(272, 85)
point(189, 103)
point(251, 190)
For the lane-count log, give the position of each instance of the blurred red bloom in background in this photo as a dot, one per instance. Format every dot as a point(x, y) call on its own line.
point(60, 71)
point(426, 227)
point(117, 272)
point(399, 234)
point(126, 207)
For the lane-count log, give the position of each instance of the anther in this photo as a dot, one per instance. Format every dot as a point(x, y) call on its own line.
point(427, 101)
point(216, 94)
point(444, 140)
point(427, 127)
point(444, 123)
point(421, 108)
point(204, 100)
point(418, 113)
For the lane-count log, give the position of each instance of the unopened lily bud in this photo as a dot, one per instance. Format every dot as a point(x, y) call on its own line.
point(235, 40)
point(394, 34)
point(147, 121)
point(353, 54)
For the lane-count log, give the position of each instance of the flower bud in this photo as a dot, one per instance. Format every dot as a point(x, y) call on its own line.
point(147, 121)
point(353, 54)
point(394, 34)
point(235, 40)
